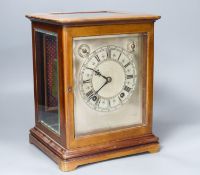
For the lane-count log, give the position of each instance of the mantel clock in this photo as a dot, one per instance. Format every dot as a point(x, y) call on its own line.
point(93, 85)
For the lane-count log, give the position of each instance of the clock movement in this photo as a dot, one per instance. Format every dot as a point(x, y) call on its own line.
point(93, 86)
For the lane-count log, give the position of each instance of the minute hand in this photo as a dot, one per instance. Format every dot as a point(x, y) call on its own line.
point(99, 89)
point(98, 73)
point(102, 86)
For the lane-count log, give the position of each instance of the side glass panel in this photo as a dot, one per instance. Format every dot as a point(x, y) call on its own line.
point(47, 79)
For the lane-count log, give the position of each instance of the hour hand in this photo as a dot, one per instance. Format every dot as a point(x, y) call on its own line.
point(97, 72)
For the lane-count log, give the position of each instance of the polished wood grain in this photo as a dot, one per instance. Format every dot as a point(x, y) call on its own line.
point(70, 159)
point(126, 133)
point(67, 150)
point(91, 18)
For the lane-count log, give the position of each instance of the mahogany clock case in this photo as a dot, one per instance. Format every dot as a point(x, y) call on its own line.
point(59, 141)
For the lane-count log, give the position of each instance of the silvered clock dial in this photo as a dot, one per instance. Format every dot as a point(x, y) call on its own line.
point(107, 78)
point(107, 82)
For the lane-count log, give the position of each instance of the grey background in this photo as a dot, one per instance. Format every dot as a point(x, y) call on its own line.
point(176, 98)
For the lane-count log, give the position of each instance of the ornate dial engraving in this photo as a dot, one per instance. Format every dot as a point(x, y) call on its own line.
point(131, 46)
point(83, 50)
point(107, 78)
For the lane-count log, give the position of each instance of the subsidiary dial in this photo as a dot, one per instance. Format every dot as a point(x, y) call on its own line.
point(107, 78)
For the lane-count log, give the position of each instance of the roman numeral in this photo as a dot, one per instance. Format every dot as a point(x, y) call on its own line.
point(127, 64)
point(129, 76)
point(109, 104)
point(89, 93)
point(97, 58)
point(87, 81)
point(127, 89)
point(108, 53)
point(119, 55)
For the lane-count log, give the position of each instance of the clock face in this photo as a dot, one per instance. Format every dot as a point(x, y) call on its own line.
point(108, 73)
point(107, 78)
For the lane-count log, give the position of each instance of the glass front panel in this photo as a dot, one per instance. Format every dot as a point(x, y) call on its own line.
point(109, 79)
point(47, 79)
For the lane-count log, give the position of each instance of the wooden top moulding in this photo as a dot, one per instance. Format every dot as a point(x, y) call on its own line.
point(91, 18)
